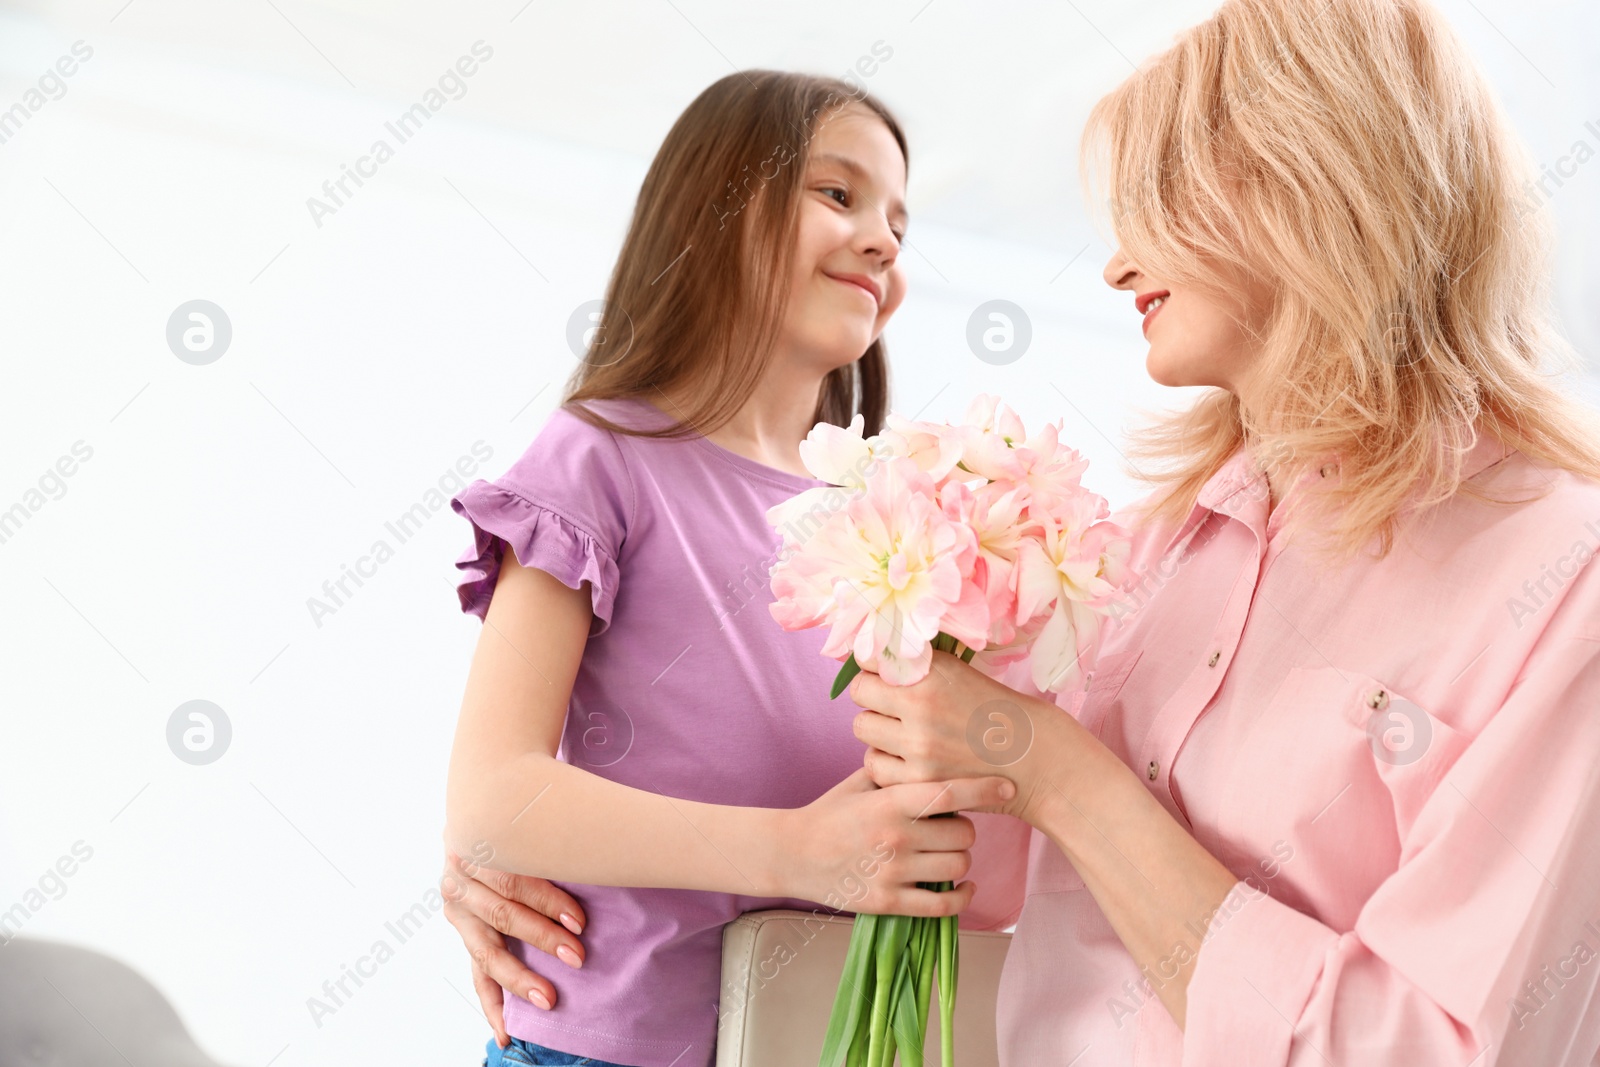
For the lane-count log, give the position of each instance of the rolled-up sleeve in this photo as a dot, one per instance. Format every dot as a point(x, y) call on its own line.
point(1483, 947)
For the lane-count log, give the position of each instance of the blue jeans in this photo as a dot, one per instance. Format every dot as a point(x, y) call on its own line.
point(520, 1053)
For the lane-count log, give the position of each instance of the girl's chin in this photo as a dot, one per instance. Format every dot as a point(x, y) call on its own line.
point(843, 348)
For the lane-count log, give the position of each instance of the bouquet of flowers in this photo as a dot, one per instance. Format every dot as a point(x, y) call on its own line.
point(970, 538)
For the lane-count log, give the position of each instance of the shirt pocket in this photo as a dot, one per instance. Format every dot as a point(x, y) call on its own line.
point(1105, 682)
point(1411, 748)
point(1336, 765)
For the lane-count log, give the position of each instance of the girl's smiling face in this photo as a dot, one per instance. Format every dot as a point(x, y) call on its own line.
point(845, 278)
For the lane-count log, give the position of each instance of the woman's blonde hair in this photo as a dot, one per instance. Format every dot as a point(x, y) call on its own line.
point(1348, 155)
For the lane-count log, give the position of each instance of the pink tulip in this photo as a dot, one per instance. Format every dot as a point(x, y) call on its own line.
point(934, 448)
point(887, 573)
point(974, 530)
point(1069, 573)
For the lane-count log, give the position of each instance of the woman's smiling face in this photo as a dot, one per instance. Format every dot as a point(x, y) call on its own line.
point(845, 277)
point(1196, 337)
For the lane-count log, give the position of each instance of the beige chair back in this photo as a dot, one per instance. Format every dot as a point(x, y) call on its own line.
point(780, 971)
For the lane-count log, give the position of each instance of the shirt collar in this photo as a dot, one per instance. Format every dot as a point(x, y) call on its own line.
point(1239, 488)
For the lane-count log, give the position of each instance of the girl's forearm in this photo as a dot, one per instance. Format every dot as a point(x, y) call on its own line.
point(538, 815)
point(1155, 883)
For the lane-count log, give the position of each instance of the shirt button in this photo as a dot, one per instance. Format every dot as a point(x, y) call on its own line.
point(1154, 767)
point(1378, 699)
point(1214, 657)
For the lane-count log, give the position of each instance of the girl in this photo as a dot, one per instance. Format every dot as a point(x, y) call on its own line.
point(1330, 795)
point(633, 717)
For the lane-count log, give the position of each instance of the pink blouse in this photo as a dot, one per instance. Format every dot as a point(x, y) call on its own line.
point(1399, 759)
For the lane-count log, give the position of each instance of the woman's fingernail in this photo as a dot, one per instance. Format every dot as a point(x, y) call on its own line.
point(538, 998)
point(571, 924)
point(569, 957)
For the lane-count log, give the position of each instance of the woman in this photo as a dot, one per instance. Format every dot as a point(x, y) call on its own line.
point(631, 725)
point(1330, 794)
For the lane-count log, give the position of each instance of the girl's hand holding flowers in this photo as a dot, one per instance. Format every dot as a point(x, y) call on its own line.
point(874, 850)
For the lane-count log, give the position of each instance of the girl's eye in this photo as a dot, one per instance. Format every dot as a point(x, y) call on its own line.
point(843, 196)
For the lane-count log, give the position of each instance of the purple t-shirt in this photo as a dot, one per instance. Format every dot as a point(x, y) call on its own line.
point(687, 688)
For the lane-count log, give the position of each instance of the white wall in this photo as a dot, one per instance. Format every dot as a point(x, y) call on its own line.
point(371, 352)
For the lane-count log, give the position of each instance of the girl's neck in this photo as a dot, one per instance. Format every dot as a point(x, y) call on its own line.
point(769, 427)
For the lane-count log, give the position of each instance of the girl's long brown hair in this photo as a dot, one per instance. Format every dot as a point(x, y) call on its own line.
point(700, 287)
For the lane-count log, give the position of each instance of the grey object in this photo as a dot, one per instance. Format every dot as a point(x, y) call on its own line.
point(65, 1006)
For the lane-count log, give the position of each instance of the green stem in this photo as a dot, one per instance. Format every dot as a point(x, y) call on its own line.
point(877, 1021)
point(948, 944)
point(927, 957)
point(892, 1037)
point(884, 993)
point(944, 642)
point(891, 942)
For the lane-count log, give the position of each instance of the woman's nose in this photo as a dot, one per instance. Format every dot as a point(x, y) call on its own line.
point(1118, 273)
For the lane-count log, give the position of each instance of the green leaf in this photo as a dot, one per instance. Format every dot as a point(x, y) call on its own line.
point(855, 990)
point(850, 669)
point(909, 1028)
point(890, 942)
point(857, 1056)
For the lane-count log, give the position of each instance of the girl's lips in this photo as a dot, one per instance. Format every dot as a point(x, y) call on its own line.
point(845, 279)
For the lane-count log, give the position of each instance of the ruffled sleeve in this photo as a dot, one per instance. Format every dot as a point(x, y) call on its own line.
point(541, 539)
point(563, 508)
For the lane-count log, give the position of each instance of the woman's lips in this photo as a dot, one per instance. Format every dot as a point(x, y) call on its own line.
point(1150, 316)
